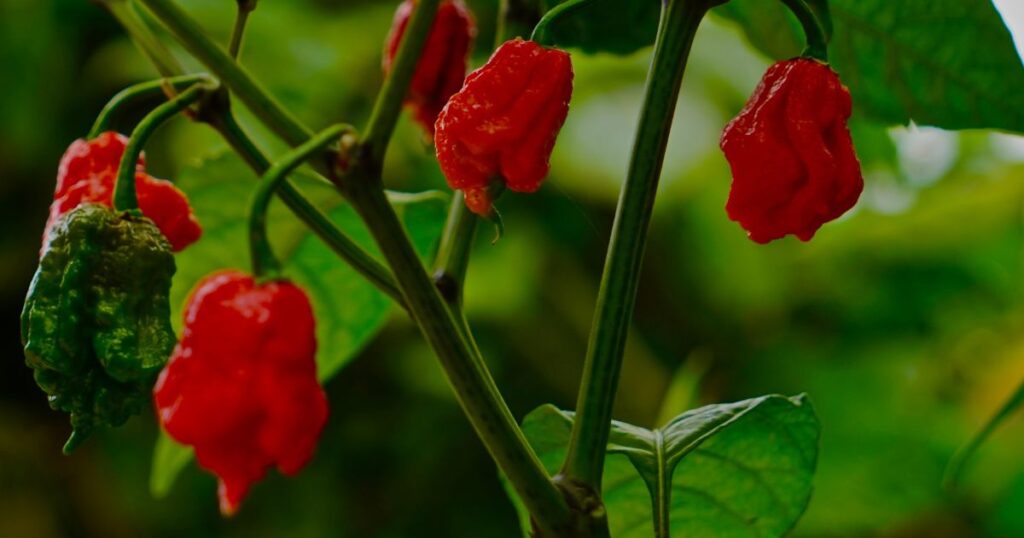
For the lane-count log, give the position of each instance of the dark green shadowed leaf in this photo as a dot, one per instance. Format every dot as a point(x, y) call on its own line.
point(614, 26)
point(947, 63)
point(349, 311)
point(729, 470)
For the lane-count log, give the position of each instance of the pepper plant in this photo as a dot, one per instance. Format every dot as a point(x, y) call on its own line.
point(240, 389)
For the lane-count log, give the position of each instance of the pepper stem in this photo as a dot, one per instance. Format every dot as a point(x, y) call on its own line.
point(388, 105)
point(141, 92)
point(245, 7)
point(264, 263)
point(616, 300)
point(817, 37)
point(125, 197)
point(453, 254)
point(540, 32)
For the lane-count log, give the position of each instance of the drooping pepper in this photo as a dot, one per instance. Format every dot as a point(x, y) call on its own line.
point(793, 162)
point(88, 173)
point(241, 384)
point(96, 322)
point(443, 62)
point(504, 121)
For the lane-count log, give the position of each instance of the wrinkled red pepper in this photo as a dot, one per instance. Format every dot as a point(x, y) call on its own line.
point(793, 162)
point(504, 121)
point(88, 172)
point(241, 385)
point(443, 62)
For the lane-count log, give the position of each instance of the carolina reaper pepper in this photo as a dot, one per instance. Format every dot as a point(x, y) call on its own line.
point(88, 173)
point(96, 323)
point(793, 162)
point(504, 121)
point(241, 384)
point(443, 62)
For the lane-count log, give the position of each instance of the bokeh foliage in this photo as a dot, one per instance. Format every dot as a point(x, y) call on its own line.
point(902, 321)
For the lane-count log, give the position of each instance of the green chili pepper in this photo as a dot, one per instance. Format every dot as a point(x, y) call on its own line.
point(96, 323)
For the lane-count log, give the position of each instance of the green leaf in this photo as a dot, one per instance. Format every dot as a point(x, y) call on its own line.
point(740, 469)
point(349, 311)
point(614, 26)
point(960, 459)
point(947, 63)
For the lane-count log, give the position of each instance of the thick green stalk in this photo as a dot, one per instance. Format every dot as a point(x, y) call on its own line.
point(139, 92)
point(396, 86)
point(125, 198)
point(817, 41)
point(264, 263)
point(617, 296)
point(465, 369)
point(232, 75)
point(125, 13)
point(224, 122)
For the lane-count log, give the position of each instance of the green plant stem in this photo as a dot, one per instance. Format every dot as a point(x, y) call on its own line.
point(264, 263)
point(540, 33)
point(140, 92)
point(465, 369)
point(125, 13)
point(224, 122)
point(245, 7)
point(956, 465)
point(125, 198)
point(817, 42)
point(617, 296)
point(396, 86)
point(233, 76)
point(453, 253)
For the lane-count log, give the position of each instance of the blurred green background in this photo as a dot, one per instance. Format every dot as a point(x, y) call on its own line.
point(903, 321)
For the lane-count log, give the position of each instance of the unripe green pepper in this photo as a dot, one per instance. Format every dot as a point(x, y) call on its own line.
point(96, 322)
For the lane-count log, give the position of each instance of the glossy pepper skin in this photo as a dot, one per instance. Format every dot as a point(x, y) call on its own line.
point(88, 173)
point(793, 162)
point(96, 324)
point(443, 62)
point(504, 121)
point(241, 384)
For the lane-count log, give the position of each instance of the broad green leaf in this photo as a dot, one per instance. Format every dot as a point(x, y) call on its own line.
point(947, 63)
point(614, 26)
point(956, 465)
point(349, 311)
point(728, 470)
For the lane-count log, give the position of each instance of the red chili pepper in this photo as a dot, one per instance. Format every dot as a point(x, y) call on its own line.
point(504, 121)
point(442, 65)
point(88, 172)
point(793, 163)
point(241, 385)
